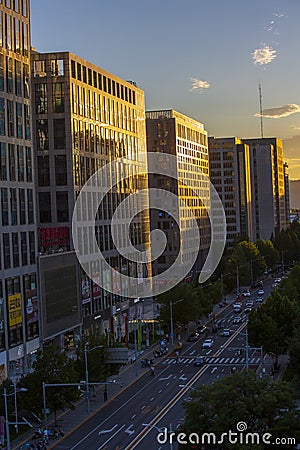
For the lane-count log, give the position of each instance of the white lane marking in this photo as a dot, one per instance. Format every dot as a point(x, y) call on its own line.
point(160, 391)
point(171, 361)
point(167, 384)
point(107, 431)
point(183, 378)
point(213, 370)
point(143, 407)
point(134, 415)
point(231, 361)
point(112, 436)
point(226, 360)
point(221, 360)
point(165, 378)
point(193, 352)
point(151, 399)
point(129, 430)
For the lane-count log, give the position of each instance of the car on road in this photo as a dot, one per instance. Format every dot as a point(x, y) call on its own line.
point(260, 292)
point(259, 300)
point(193, 337)
point(277, 280)
point(246, 293)
point(274, 285)
point(250, 303)
point(237, 319)
point(248, 309)
point(198, 361)
point(226, 332)
point(208, 343)
point(237, 307)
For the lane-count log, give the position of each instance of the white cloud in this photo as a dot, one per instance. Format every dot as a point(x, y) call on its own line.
point(280, 111)
point(263, 55)
point(199, 85)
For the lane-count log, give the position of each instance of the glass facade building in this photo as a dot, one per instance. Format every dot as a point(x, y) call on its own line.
point(19, 305)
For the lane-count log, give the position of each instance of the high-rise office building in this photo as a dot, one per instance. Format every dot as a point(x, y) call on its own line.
point(19, 305)
point(84, 118)
point(268, 186)
point(287, 191)
point(229, 162)
point(173, 133)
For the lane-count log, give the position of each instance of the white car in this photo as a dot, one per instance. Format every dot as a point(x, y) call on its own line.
point(260, 292)
point(259, 300)
point(246, 294)
point(208, 343)
point(277, 280)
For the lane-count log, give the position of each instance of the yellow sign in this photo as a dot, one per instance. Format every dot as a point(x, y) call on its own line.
point(14, 309)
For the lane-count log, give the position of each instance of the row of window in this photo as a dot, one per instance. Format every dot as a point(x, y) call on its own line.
point(90, 104)
point(61, 170)
point(102, 82)
point(189, 134)
point(14, 119)
point(14, 34)
point(14, 76)
point(42, 98)
point(19, 6)
point(16, 206)
point(93, 138)
point(15, 163)
point(18, 249)
point(42, 134)
point(61, 209)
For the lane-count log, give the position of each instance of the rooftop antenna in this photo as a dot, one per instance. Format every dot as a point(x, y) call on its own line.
point(261, 111)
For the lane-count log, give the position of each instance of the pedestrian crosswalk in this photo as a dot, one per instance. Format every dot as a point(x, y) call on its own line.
point(213, 360)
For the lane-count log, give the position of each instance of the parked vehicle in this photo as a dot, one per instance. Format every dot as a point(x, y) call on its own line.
point(208, 343)
point(226, 332)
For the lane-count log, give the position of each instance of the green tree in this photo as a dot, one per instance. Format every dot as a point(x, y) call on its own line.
point(294, 352)
point(272, 325)
point(51, 366)
point(263, 405)
point(269, 253)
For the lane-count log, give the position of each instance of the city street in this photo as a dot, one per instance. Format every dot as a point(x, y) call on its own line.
point(132, 419)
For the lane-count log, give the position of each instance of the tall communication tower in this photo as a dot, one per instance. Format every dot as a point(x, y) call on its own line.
point(261, 111)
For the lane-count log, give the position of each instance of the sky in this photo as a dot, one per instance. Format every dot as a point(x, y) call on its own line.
point(204, 59)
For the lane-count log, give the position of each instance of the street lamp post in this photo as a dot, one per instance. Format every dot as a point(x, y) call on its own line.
point(171, 320)
point(86, 350)
point(7, 423)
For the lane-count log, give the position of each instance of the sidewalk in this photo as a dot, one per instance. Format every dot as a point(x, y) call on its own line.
point(70, 419)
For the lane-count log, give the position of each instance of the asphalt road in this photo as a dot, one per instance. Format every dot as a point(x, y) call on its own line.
point(134, 418)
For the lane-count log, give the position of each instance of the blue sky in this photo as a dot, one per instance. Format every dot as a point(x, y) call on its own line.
point(169, 46)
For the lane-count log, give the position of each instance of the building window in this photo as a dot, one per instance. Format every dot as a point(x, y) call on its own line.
point(61, 170)
point(22, 208)
point(58, 97)
point(15, 248)
point(19, 120)
point(2, 117)
point(6, 251)
point(84, 74)
point(28, 164)
point(24, 251)
point(26, 91)
point(4, 206)
point(1, 29)
point(3, 162)
point(62, 206)
point(41, 100)
point(30, 206)
point(73, 69)
point(17, 35)
point(45, 207)
point(59, 133)
point(20, 159)
point(27, 122)
point(12, 162)
point(78, 71)
point(57, 67)
point(13, 207)
point(8, 3)
point(43, 171)
point(32, 247)
point(42, 134)
point(39, 68)
point(9, 74)
point(10, 118)
point(16, 6)
point(24, 8)
point(18, 78)
point(8, 31)
point(25, 39)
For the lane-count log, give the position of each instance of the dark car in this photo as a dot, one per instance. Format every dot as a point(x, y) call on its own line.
point(193, 337)
point(198, 361)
